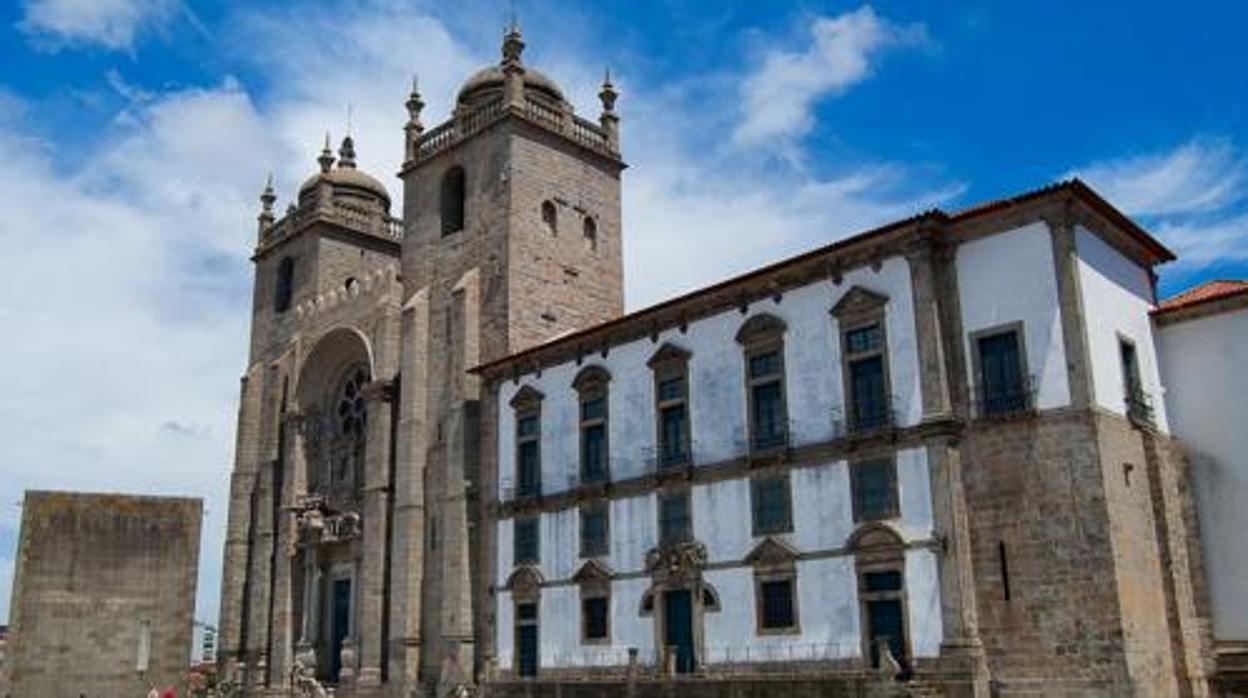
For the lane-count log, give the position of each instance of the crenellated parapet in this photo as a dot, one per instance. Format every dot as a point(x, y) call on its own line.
point(378, 286)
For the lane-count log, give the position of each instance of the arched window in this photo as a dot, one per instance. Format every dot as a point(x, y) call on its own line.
point(591, 232)
point(550, 217)
point(453, 192)
point(285, 287)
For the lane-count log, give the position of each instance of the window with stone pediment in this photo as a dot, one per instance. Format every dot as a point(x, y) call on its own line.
point(591, 385)
point(762, 339)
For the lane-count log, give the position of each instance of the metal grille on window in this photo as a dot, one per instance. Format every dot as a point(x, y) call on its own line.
point(777, 603)
point(595, 617)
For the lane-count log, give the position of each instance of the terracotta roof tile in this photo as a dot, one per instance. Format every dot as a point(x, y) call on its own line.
point(1208, 291)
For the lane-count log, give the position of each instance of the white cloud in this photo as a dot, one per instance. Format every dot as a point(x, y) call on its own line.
point(122, 305)
point(1199, 244)
point(1192, 196)
point(112, 24)
point(127, 295)
point(777, 99)
point(1199, 176)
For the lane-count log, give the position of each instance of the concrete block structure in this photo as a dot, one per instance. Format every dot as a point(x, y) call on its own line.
point(933, 458)
point(103, 594)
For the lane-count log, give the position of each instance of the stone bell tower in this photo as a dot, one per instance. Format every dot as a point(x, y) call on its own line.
point(513, 236)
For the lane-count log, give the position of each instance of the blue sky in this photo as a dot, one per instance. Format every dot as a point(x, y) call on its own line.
point(137, 133)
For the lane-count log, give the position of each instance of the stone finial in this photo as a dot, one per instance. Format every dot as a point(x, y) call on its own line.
point(267, 198)
point(513, 44)
point(609, 120)
point(415, 105)
point(346, 153)
point(327, 156)
point(608, 94)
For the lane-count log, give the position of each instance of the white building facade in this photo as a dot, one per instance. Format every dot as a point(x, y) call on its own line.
point(1203, 352)
point(768, 474)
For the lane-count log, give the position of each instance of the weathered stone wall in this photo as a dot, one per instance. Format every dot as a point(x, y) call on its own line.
point(1035, 489)
point(95, 573)
point(1147, 640)
point(559, 281)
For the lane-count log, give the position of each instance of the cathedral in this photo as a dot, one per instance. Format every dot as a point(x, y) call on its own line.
point(933, 458)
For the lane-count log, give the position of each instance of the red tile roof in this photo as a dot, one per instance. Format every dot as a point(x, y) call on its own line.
point(1208, 291)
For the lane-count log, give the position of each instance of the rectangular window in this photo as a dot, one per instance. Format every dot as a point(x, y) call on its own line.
point(1002, 388)
point(675, 525)
point(528, 456)
point(777, 604)
point(867, 379)
point(594, 618)
point(673, 412)
point(595, 531)
point(527, 550)
point(874, 490)
point(768, 420)
point(1138, 406)
point(772, 505)
point(594, 439)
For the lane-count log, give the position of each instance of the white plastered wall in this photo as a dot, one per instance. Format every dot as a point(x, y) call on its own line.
point(1010, 277)
point(1117, 297)
point(822, 508)
point(1204, 365)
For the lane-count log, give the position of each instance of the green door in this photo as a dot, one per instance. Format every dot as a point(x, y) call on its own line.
point(678, 623)
point(341, 624)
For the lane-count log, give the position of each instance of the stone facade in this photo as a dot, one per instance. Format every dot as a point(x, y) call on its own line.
point(103, 595)
point(348, 553)
point(1050, 550)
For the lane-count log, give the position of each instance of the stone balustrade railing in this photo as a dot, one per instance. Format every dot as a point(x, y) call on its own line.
point(447, 135)
point(344, 214)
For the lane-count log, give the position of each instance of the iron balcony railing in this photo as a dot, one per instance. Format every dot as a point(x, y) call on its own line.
point(1006, 401)
point(668, 458)
point(865, 417)
point(1140, 406)
point(765, 440)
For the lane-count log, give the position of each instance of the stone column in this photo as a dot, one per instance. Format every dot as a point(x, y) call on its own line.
point(242, 480)
point(929, 332)
point(259, 575)
point(374, 519)
point(407, 545)
point(284, 633)
point(959, 614)
point(1070, 300)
